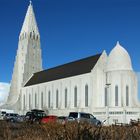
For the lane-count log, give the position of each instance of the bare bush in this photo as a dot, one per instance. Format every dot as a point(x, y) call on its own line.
point(69, 131)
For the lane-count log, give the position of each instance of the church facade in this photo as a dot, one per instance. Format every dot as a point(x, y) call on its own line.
point(105, 86)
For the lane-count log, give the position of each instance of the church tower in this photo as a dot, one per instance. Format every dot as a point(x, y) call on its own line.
point(28, 59)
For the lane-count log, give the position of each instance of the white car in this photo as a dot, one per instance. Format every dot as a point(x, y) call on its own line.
point(84, 117)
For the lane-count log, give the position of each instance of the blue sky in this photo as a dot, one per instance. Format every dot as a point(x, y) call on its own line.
point(71, 29)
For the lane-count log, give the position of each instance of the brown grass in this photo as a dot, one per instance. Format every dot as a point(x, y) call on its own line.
point(70, 131)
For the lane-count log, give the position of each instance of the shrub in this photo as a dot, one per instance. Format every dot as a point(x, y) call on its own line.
point(69, 131)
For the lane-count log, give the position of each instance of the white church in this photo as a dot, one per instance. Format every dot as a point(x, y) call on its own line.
point(105, 86)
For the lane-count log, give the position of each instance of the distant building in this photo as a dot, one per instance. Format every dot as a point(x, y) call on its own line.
point(105, 86)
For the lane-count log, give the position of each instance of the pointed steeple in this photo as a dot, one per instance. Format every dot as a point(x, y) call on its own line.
point(118, 43)
point(30, 2)
point(28, 59)
point(30, 24)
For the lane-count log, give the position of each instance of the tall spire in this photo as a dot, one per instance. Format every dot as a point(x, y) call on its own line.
point(30, 2)
point(29, 24)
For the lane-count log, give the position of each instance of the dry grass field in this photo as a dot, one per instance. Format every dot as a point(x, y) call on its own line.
point(70, 131)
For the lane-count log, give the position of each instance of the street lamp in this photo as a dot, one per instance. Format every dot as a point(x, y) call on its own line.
point(107, 85)
point(107, 102)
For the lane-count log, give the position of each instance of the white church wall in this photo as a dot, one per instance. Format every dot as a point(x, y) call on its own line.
point(60, 85)
point(110, 115)
point(94, 80)
point(99, 81)
point(66, 86)
point(121, 79)
point(115, 80)
point(135, 92)
point(70, 84)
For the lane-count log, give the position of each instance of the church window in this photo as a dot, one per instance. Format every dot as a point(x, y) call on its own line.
point(24, 101)
point(57, 98)
point(75, 97)
point(86, 95)
point(35, 100)
point(66, 97)
point(116, 95)
point(37, 37)
point(29, 100)
point(49, 99)
point(127, 96)
point(41, 99)
point(30, 34)
point(106, 97)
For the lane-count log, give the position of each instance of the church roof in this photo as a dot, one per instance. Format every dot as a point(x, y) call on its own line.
point(67, 70)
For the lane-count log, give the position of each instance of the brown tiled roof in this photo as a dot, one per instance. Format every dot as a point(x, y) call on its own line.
point(67, 70)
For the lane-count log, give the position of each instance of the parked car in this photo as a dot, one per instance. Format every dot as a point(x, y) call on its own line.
point(34, 115)
point(50, 118)
point(11, 117)
point(2, 114)
point(62, 119)
point(84, 117)
point(21, 118)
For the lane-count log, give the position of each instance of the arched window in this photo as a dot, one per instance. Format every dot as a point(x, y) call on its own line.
point(57, 96)
point(42, 100)
point(75, 97)
point(24, 101)
point(49, 99)
point(37, 37)
point(86, 95)
point(116, 95)
point(35, 100)
point(66, 97)
point(106, 97)
point(29, 100)
point(127, 96)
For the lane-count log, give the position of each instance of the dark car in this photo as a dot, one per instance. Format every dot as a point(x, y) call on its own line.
point(84, 117)
point(34, 115)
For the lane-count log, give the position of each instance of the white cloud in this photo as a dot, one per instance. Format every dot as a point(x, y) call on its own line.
point(4, 91)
